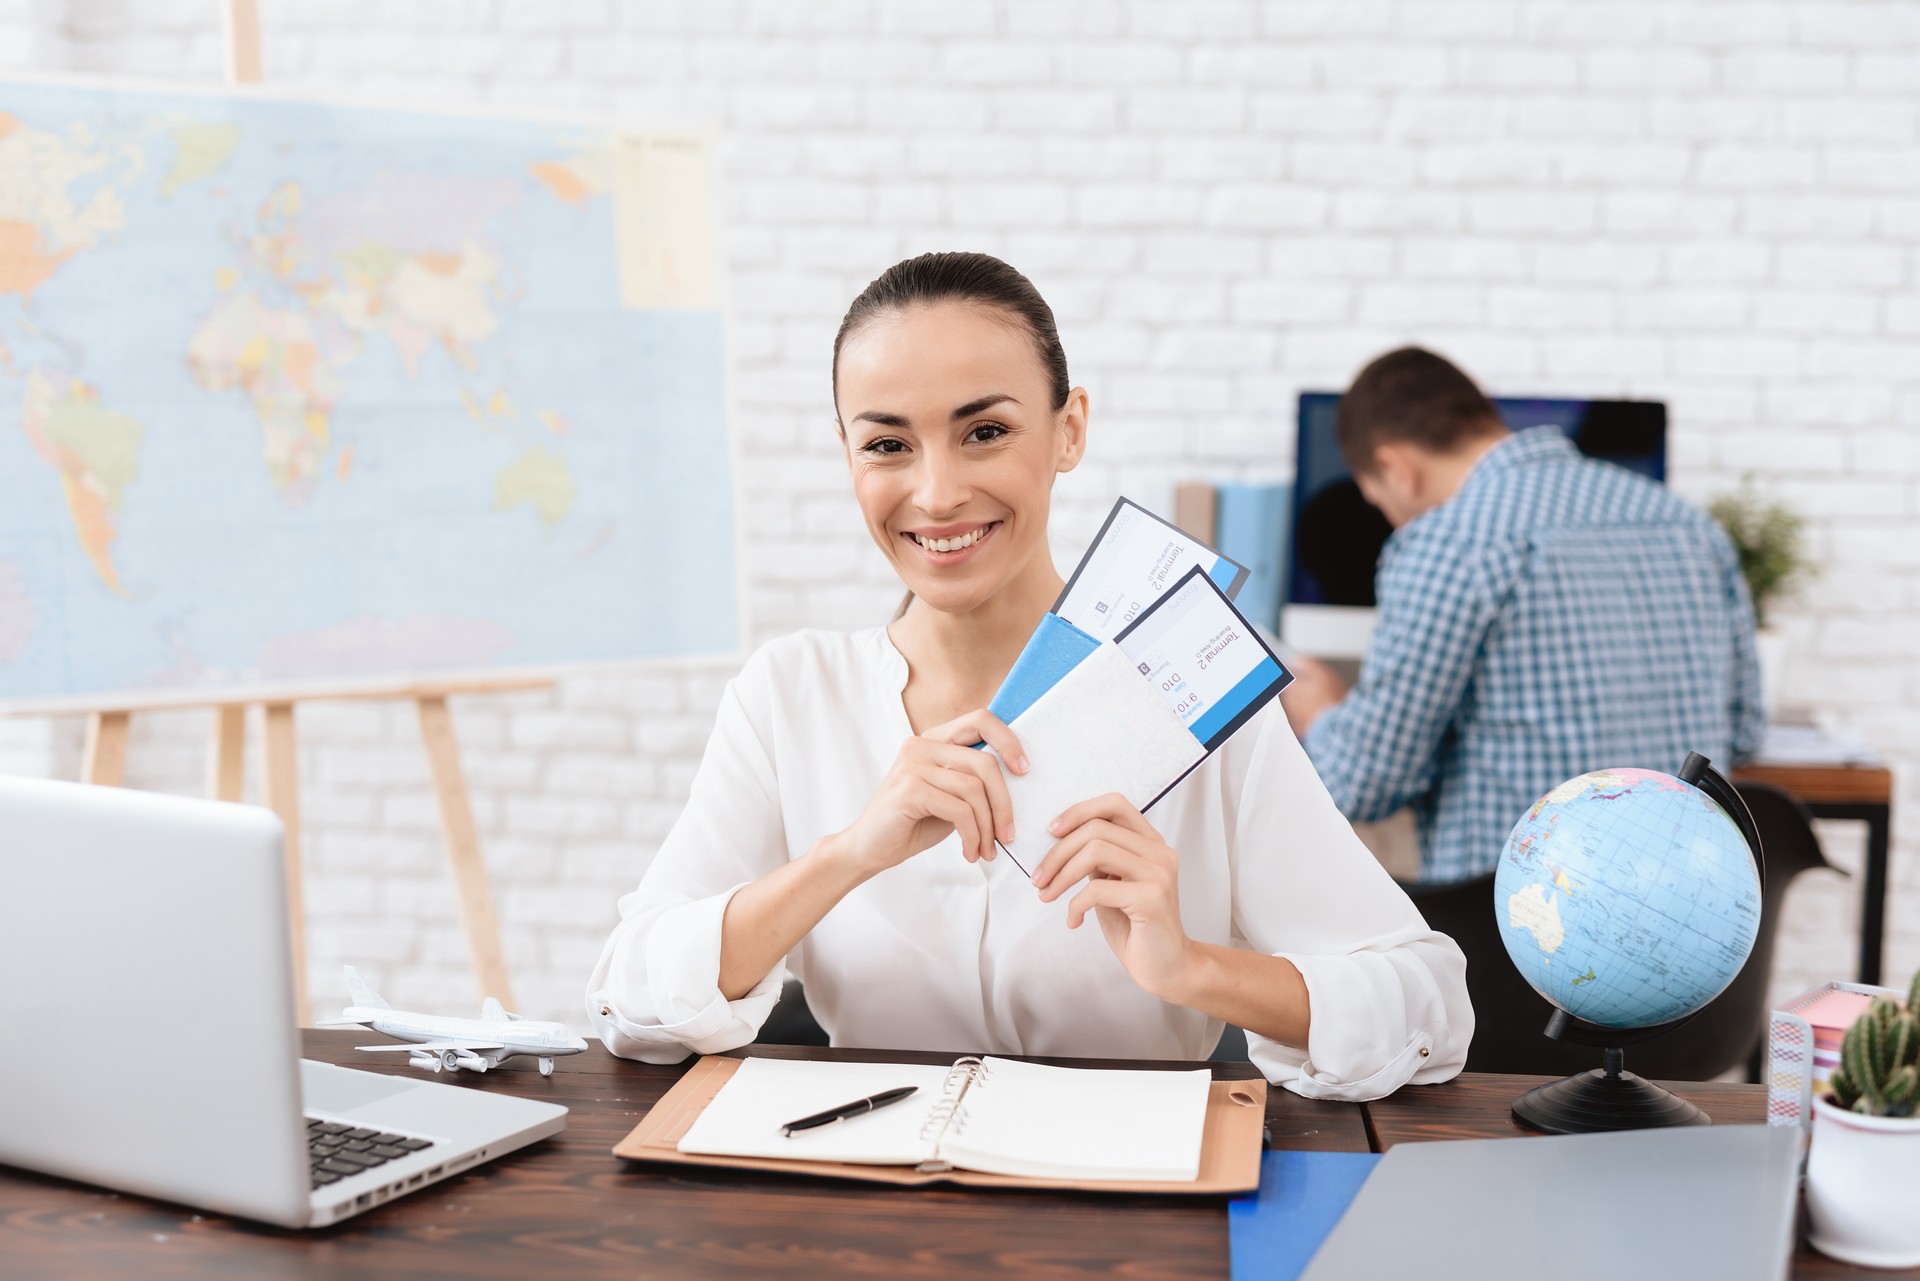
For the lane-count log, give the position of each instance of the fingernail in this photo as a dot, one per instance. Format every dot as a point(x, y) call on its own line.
point(1054, 827)
point(1006, 835)
point(1021, 766)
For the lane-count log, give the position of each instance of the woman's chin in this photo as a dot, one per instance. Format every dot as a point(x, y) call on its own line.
point(953, 598)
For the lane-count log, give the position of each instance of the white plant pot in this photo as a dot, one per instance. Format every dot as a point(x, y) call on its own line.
point(1862, 1174)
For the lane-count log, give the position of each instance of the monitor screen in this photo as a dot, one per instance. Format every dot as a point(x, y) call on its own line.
point(1337, 534)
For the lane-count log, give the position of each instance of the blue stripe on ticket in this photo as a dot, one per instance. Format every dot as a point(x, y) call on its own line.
point(1221, 718)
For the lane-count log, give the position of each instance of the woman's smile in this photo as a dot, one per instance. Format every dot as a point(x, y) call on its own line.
point(949, 544)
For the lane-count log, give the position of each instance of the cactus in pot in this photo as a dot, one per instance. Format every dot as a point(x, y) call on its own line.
point(1879, 1072)
point(1865, 1158)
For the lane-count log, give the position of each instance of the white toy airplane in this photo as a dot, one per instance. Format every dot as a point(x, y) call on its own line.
point(449, 1044)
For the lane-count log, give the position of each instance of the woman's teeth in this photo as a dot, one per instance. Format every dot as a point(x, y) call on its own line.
point(952, 544)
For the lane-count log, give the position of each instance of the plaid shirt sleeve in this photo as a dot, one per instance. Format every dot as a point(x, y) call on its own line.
point(1378, 749)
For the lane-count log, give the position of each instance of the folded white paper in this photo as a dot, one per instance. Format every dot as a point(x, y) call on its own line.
point(1102, 728)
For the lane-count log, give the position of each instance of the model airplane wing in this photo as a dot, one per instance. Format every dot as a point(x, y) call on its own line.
point(432, 1045)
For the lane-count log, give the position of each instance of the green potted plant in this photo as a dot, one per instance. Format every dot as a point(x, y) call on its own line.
point(1769, 537)
point(1865, 1160)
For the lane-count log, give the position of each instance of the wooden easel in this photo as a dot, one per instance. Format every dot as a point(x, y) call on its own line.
point(105, 757)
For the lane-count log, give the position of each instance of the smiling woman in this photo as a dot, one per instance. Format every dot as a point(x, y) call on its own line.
point(1017, 422)
point(842, 826)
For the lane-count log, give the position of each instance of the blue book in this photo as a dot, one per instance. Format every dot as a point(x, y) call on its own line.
point(1274, 1233)
point(1252, 529)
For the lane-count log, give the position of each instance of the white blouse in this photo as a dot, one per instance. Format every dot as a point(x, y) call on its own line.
point(941, 954)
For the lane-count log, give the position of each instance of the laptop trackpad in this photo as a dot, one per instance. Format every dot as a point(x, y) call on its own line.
point(326, 1088)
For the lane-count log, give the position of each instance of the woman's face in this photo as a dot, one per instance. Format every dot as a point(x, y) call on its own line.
point(953, 442)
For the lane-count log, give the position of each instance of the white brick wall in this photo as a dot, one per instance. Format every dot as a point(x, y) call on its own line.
point(1712, 202)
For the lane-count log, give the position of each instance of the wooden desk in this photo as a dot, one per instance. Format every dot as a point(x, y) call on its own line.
point(1861, 793)
point(567, 1208)
point(1476, 1106)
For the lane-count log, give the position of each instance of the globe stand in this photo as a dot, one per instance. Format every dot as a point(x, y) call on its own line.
point(1601, 1099)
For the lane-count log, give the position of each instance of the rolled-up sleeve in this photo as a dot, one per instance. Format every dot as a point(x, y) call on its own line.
point(1387, 995)
point(655, 992)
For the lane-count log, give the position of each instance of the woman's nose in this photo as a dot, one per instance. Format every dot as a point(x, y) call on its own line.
point(942, 484)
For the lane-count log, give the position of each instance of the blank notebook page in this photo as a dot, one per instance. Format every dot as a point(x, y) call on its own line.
point(1080, 1123)
point(745, 1117)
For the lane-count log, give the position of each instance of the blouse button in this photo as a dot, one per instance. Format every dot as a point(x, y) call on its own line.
point(1424, 1051)
point(608, 1010)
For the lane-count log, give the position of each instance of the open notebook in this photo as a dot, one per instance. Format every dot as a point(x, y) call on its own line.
point(994, 1115)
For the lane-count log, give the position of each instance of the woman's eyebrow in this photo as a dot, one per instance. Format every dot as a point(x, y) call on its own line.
point(973, 407)
point(881, 417)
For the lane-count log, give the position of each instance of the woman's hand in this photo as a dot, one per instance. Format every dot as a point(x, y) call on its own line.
point(1133, 890)
point(939, 784)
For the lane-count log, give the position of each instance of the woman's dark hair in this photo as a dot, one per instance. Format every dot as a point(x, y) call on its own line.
point(960, 277)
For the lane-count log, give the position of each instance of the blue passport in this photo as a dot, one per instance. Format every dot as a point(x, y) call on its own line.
point(1055, 648)
point(1274, 1233)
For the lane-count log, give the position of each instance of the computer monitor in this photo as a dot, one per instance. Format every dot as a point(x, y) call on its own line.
point(1337, 534)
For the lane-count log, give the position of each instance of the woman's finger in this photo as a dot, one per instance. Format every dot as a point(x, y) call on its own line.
point(938, 803)
point(1097, 858)
point(987, 769)
point(983, 727)
point(1113, 807)
point(969, 789)
point(1120, 895)
point(1098, 829)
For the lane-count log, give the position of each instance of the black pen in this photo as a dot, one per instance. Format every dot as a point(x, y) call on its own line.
point(845, 1110)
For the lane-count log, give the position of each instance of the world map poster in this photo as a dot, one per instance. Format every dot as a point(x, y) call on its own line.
point(299, 395)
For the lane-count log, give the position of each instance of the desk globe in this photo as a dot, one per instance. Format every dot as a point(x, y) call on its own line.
point(1628, 899)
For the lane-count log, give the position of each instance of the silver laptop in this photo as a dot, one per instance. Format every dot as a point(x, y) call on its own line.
point(147, 1016)
point(1693, 1203)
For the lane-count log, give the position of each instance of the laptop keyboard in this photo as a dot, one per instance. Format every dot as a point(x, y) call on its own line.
point(340, 1151)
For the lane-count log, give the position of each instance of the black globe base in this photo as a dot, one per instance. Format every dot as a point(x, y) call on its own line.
point(1603, 1099)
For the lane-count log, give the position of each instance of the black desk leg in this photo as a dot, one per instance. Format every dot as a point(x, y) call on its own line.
point(1873, 909)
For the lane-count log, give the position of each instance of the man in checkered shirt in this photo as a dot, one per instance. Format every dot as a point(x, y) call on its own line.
point(1540, 615)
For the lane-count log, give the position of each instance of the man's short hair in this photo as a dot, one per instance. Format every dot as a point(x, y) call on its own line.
point(1415, 396)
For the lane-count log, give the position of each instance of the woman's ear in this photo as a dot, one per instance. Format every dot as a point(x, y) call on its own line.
point(1070, 434)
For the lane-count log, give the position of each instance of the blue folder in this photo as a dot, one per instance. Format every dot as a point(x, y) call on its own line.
point(1274, 1233)
point(1252, 529)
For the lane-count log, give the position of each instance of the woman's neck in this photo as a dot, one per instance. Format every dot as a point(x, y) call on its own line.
point(955, 661)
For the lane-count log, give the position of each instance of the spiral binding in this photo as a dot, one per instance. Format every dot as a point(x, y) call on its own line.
point(950, 1114)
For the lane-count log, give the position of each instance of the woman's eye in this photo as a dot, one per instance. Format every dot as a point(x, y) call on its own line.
point(885, 445)
point(987, 431)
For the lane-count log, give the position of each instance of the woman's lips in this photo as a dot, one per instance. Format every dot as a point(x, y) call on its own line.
point(954, 547)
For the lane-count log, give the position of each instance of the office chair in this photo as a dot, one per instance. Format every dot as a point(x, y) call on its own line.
point(1728, 1033)
point(792, 1021)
